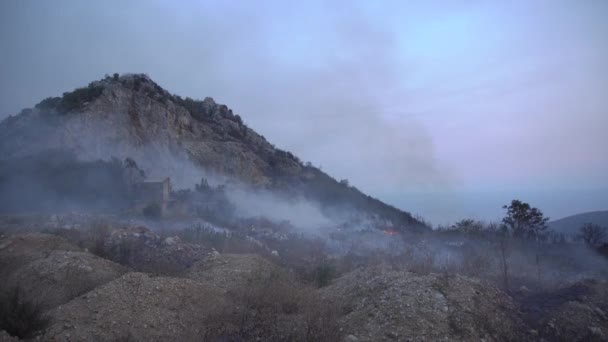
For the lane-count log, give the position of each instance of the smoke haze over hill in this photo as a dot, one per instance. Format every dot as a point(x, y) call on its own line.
point(415, 98)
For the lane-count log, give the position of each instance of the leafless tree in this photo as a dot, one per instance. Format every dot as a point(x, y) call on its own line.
point(593, 234)
point(503, 253)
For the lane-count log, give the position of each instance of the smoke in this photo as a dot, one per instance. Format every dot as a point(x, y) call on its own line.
point(304, 215)
point(56, 181)
point(90, 137)
point(333, 108)
point(318, 80)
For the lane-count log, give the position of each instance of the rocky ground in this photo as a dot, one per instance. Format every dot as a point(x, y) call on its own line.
point(575, 313)
point(231, 271)
point(136, 307)
point(382, 304)
point(49, 270)
point(146, 251)
point(240, 297)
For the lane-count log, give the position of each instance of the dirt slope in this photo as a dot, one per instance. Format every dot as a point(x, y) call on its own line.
point(137, 307)
point(231, 271)
point(49, 270)
point(393, 305)
point(575, 313)
point(19, 250)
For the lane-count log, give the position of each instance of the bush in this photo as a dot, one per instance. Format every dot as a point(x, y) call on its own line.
point(324, 274)
point(19, 316)
point(49, 103)
point(152, 211)
point(98, 233)
point(274, 308)
point(203, 235)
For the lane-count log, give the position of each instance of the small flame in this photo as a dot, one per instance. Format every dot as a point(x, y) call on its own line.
point(391, 232)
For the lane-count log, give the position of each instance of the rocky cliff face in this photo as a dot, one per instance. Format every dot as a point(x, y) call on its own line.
point(131, 116)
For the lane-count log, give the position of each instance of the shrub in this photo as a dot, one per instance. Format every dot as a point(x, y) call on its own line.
point(152, 211)
point(73, 101)
point(19, 316)
point(98, 232)
point(324, 274)
point(49, 103)
point(124, 252)
point(274, 308)
point(199, 234)
point(593, 234)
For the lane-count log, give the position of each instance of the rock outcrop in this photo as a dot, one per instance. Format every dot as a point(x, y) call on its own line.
point(132, 117)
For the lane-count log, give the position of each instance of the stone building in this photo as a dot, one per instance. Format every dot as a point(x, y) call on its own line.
point(152, 192)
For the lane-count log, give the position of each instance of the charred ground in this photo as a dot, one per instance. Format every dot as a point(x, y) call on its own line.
point(251, 243)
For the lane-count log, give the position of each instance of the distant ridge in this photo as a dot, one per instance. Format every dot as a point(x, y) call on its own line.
point(571, 225)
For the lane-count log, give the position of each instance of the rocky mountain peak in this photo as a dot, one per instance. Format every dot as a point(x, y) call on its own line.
point(131, 116)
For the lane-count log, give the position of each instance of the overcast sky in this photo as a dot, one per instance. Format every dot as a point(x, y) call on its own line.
point(447, 109)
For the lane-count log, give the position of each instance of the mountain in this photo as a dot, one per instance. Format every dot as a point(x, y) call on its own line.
point(130, 116)
point(570, 225)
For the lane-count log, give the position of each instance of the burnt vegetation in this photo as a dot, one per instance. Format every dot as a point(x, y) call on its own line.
point(19, 316)
point(170, 237)
point(58, 181)
point(284, 303)
point(275, 308)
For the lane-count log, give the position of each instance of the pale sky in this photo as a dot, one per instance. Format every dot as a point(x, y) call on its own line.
point(448, 109)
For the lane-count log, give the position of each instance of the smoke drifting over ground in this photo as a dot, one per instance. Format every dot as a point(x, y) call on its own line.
point(56, 181)
point(303, 214)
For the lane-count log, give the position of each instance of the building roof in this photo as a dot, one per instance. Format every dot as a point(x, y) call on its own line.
point(156, 180)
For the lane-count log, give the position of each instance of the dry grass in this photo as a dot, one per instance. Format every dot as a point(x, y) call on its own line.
point(274, 308)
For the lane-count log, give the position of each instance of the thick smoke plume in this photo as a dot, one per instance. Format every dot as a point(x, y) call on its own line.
point(330, 108)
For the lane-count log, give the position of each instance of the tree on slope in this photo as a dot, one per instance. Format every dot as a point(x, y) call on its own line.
point(524, 221)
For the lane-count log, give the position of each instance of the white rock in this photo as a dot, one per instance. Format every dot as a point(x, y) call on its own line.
point(595, 331)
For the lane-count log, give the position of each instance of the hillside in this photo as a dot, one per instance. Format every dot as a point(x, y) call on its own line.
point(570, 225)
point(130, 116)
point(189, 292)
